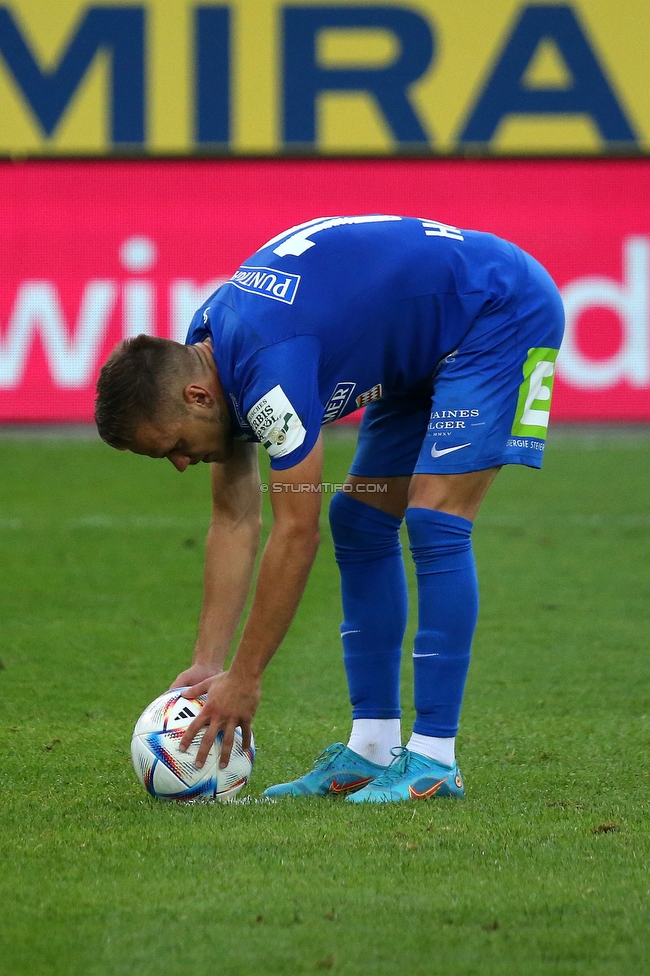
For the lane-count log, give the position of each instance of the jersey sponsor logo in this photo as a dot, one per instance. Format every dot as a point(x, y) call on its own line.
point(373, 394)
point(534, 402)
point(276, 424)
point(530, 443)
point(448, 414)
point(436, 453)
point(267, 282)
point(338, 401)
point(444, 420)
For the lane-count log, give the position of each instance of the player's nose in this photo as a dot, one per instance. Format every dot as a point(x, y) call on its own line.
point(180, 461)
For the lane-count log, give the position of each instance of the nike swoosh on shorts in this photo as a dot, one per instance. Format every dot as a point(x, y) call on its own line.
point(435, 453)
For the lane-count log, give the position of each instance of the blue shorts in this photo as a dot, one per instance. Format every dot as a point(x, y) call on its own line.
point(491, 396)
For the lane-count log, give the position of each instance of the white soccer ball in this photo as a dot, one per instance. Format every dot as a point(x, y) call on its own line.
point(169, 774)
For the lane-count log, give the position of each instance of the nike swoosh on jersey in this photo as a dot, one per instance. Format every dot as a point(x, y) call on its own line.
point(435, 453)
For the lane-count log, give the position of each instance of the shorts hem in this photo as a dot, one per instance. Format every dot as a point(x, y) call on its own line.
point(529, 460)
point(383, 474)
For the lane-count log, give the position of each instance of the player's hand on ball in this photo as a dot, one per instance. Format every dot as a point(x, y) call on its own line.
point(193, 675)
point(232, 701)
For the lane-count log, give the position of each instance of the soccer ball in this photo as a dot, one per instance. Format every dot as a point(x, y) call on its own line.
point(169, 774)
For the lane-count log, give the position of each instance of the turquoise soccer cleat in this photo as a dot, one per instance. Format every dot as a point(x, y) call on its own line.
point(338, 770)
point(411, 777)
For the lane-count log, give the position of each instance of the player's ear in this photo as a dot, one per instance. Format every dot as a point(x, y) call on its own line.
point(198, 397)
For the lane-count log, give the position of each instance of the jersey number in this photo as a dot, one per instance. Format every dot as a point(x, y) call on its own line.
point(299, 241)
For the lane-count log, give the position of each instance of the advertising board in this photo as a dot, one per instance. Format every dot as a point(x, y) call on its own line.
point(355, 76)
point(95, 251)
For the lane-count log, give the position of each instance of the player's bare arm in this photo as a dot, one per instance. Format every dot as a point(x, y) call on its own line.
point(233, 696)
point(231, 548)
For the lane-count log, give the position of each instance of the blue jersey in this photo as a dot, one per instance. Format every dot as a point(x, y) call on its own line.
point(337, 313)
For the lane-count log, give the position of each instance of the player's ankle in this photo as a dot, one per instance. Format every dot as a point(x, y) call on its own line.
point(373, 738)
point(440, 750)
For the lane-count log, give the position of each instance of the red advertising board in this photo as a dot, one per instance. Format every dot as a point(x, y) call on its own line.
point(94, 251)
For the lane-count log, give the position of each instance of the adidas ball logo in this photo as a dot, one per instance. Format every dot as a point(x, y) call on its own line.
point(184, 713)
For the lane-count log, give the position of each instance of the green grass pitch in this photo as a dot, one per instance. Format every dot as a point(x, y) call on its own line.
point(543, 869)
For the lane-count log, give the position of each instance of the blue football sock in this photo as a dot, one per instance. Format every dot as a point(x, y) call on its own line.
point(373, 591)
point(447, 611)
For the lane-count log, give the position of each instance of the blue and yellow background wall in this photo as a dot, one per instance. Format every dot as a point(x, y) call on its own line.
point(264, 77)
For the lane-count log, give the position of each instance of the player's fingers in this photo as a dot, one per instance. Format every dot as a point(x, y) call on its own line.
point(226, 745)
point(202, 688)
point(192, 730)
point(206, 744)
point(246, 735)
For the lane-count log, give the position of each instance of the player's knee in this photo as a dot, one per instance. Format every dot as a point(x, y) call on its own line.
point(440, 542)
point(455, 494)
point(346, 516)
point(357, 527)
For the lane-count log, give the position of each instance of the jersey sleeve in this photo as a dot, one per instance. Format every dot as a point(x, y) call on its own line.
point(280, 399)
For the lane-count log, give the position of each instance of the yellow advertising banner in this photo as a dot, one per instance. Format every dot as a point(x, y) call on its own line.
point(265, 77)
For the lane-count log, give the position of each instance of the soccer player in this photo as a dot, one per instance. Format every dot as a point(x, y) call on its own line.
point(448, 338)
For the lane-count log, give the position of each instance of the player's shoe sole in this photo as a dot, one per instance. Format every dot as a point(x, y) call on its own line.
point(338, 770)
point(411, 777)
